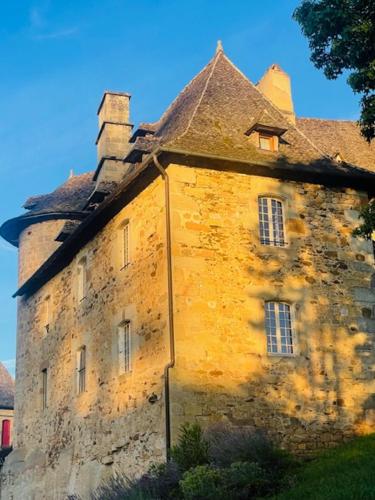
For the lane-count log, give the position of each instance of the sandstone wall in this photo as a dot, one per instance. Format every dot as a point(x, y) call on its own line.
point(37, 243)
point(223, 275)
point(81, 439)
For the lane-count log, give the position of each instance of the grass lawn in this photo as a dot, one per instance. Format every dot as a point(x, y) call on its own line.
point(343, 473)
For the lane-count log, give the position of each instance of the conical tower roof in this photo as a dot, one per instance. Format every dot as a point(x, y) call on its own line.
point(6, 388)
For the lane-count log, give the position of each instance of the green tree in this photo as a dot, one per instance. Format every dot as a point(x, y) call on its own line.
point(367, 214)
point(341, 35)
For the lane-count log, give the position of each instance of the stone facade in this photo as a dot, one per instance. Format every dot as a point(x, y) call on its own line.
point(83, 438)
point(223, 276)
point(65, 441)
point(36, 245)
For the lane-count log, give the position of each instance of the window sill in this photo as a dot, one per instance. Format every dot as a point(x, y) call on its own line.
point(281, 355)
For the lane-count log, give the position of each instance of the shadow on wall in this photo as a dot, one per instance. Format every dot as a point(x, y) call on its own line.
point(325, 392)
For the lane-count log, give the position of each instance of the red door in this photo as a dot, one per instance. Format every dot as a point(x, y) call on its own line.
point(5, 434)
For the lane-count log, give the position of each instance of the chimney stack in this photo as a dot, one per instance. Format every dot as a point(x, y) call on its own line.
point(275, 85)
point(114, 134)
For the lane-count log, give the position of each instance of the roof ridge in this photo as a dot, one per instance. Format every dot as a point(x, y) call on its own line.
point(187, 86)
point(335, 120)
point(214, 61)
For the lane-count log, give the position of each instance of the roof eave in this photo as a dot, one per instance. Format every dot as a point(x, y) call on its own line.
point(87, 229)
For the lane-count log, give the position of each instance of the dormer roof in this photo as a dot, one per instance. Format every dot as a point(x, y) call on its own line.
point(266, 123)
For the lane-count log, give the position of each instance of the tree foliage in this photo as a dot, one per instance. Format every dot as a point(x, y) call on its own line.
point(341, 35)
point(367, 214)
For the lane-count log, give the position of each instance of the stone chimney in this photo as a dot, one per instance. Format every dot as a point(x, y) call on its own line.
point(114, 134)
point(275, 85)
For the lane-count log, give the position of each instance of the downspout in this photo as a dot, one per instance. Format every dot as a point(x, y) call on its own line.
point(171, 362)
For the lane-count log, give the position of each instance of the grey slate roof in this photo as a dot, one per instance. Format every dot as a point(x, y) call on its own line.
point(70, 196)
point(340, 136)
point(6, 388)
point(215, 110)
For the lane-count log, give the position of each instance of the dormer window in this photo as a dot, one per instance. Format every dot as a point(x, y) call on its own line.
point(268, 142)
point(265, 132)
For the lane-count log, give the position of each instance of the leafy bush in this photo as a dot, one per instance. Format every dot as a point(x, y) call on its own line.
point(222, 463)
point(161, 482)
point(244, 480)
point(232, 444)
point(240, 481)
point(192, 448)
point(204, 482)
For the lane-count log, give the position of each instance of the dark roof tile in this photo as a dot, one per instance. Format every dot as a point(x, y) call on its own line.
point(70, 196)
point(339, 136)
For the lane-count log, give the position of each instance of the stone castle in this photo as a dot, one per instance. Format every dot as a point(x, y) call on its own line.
point(205, 271)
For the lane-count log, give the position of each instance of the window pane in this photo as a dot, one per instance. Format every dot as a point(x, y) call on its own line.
point(124, 347)
point(278, 328)
point(286, 334)
point(265, 142)
point(271, 222)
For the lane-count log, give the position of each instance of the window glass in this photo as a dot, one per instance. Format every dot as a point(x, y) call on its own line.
point(271, 222)
point(266, 142)
point(279, 328)
point(124, 347)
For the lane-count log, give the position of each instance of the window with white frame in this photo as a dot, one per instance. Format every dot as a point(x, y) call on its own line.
point(125, 231)
point(81, 279)
point(47, 315)
point(81, 370)
point(279, 328)
point(44, 388)
point(271, 222)
point(125, 347)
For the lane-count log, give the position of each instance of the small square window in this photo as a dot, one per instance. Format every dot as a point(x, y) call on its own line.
point(267, 142)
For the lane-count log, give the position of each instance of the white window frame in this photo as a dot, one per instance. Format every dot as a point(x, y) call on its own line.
point(276, 332)
point(81, 279)
point(268, 219)
point(124, 337)
point(125, 244)
point(81, 369)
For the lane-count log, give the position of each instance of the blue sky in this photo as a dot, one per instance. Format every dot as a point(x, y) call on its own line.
point(57, 58)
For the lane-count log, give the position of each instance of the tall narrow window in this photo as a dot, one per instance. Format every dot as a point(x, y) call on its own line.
point(124, 347)
point(81, 370)
point(125, 245)
point(82, 279)
point(271, 222)
point(44, 388)
point(47, 314)
point(5, 434)
point(279, 328)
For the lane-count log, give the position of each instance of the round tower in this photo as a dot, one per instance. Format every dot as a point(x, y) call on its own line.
point(48, 221)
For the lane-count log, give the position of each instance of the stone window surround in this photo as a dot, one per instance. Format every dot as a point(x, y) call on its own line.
point(125, 247)
point(127, 314)
point(81, 273)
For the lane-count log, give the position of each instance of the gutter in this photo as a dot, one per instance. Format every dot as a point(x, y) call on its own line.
point(172, 354)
